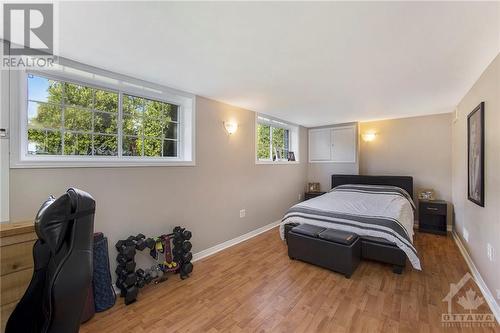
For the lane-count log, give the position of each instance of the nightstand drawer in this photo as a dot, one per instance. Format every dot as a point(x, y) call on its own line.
point(434, 209)
point(310, 195)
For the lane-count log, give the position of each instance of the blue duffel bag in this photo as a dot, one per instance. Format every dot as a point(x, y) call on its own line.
point(104, 294)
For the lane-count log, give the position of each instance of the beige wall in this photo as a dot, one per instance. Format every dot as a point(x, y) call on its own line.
point(205, 198)
point(322, 172)
point(482, 224)
point(417, 146)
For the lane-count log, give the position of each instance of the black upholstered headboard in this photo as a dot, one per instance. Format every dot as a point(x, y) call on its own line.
point(404, 182)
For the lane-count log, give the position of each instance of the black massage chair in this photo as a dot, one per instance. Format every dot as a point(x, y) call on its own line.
point(62, 275)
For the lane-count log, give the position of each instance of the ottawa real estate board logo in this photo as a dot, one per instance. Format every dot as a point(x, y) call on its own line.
point(28, 33)
point(466, 307)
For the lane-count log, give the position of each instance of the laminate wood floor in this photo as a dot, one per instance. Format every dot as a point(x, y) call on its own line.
point(255, 287)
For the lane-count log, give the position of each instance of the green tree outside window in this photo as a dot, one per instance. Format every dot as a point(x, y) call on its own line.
point(70, 119)
point(275, 148)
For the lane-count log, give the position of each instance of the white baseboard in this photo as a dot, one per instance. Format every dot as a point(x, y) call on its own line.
point(219, 247)
point(488, 296)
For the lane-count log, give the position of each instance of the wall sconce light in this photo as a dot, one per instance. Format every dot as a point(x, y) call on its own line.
point(369, 136)
point(230, 127)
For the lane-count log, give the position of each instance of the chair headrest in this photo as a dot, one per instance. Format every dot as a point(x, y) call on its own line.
point(52, 219)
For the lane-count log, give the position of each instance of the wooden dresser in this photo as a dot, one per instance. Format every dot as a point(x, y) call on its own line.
point(16, 257)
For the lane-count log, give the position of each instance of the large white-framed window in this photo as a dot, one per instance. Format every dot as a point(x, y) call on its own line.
point(277, 142)
point(73, 117)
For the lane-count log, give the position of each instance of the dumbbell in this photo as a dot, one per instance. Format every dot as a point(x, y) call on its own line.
point(141, 277)
point(125, 281)
point(125, 269)
point(131, 295)
point(120, 270)
point(186, 234)
point(150, 243)
point(177, 241)
point(186, 257)
point(186, 269)
point(119, 284)
point(122, 259)
point(126, 248)
point(119, 245)
point(177, 251)
point(140, 273)
point(187, 246)
point(182, 233)
point(122, 244)
point(178, 232)
point(130, 266)
point(140, 282)
point(138, 241)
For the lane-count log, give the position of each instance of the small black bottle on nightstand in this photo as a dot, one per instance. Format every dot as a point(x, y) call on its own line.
point(432, 216)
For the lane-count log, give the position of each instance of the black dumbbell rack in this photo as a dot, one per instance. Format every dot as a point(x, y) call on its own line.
point(129, 280)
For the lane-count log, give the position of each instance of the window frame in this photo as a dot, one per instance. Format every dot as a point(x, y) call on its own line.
point(86, 75)
point(293, 138)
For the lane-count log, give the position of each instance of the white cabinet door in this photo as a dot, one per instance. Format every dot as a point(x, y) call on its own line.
point(344, 144)
point(320, 145)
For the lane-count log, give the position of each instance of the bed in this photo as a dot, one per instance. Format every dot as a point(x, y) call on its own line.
point(379, 209)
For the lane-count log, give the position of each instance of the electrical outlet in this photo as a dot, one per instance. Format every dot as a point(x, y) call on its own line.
point(498, 293)
point(490, 252)
point(466, 235)
point(300, 196)
point(243, 213)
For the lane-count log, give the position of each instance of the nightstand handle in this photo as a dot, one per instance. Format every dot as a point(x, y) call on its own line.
point(431, 208)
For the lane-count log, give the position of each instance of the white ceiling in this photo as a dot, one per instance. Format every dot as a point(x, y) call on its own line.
point(309, 63)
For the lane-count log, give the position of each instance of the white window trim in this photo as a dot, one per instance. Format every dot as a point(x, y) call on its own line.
point(98, 78)
point(277, 123)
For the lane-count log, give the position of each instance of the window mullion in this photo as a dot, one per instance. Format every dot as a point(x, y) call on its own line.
point(93, 120)
point(143, 122)
point(271, 143)
point(63, 109)
point(119, 123)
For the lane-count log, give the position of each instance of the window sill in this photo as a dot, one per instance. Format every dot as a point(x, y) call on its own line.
point(98, 163)
point(277, 162)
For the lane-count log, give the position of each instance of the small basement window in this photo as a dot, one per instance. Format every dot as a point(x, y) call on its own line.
point(276, 141)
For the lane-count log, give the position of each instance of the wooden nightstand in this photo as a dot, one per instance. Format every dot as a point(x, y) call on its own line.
point(310, 195)
point(432, 216)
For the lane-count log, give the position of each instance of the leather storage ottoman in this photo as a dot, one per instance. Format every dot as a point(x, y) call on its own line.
point(336, 250)
point(288, 228)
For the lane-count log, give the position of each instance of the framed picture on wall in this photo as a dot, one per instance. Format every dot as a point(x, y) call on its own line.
point(475, 155)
